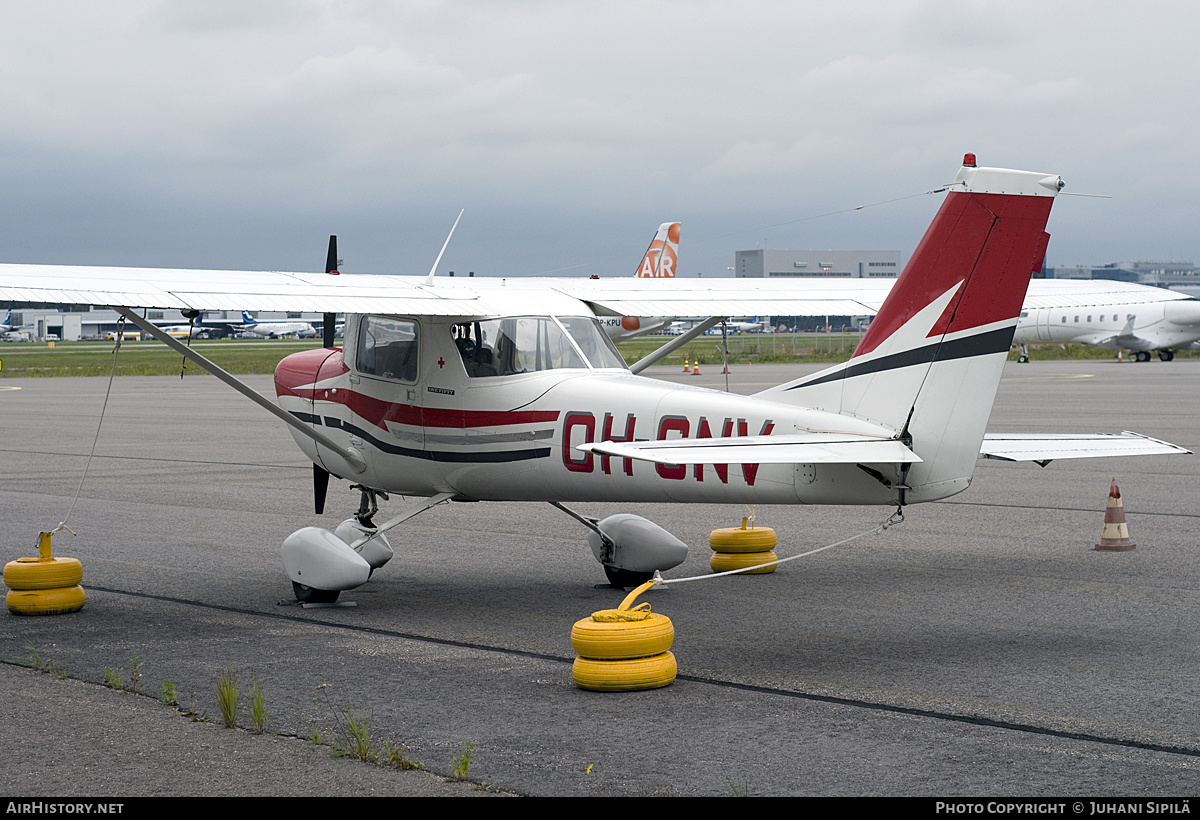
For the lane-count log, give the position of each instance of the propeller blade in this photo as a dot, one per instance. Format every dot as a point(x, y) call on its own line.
point(331, 266)
point(320, 487)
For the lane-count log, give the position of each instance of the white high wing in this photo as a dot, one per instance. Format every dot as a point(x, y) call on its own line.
point(507, 389)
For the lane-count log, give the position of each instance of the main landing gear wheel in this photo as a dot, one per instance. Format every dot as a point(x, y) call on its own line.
point(308, 595)
point(625, 578)
point(1142, 356)
point(1166, 355)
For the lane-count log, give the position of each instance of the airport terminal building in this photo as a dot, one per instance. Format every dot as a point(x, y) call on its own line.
point(764, 263)
point(1180, 276)
point(847, 264)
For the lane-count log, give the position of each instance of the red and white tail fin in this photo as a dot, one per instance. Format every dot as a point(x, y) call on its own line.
point(663, 254)
point(929, 365)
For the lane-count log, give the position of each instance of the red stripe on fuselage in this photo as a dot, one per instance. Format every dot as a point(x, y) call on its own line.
point(297, 372)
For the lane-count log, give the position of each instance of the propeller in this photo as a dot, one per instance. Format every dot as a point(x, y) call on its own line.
point(331, 267)
point(320, 474)
point(320, 487)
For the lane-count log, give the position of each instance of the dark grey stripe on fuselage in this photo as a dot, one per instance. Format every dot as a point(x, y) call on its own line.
point(485, 457)
point(982, 344)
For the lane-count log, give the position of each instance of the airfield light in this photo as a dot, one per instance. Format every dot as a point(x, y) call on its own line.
point(969, 161)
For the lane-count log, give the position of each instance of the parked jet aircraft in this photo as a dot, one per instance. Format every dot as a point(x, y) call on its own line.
point(184, 331)
point(1108, 314)
point(659, 262)
point(507, 389)
point(274, 328)
point(14, 333)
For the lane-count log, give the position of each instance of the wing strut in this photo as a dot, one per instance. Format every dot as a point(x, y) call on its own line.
point(673, 345)
point(354, 458)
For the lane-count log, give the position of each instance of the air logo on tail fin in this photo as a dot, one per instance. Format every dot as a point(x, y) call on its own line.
point(662, 256)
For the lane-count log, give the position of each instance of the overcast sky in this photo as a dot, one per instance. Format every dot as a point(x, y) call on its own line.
point(241, 133)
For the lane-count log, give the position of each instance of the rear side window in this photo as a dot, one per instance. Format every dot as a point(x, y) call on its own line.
point(387, 348)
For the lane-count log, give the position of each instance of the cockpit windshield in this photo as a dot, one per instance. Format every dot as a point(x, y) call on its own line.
point(524, 344)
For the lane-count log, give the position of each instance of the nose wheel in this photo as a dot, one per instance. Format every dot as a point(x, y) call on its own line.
point(625, 578)
point(308, 595)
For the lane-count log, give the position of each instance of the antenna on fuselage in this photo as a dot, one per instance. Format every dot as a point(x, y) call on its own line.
point(429, 278)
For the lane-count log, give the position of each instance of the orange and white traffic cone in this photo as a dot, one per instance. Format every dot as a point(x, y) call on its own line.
point(1119, 359)
point(1116, 532)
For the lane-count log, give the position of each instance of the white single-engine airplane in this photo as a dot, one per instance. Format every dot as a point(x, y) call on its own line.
point(508, 390)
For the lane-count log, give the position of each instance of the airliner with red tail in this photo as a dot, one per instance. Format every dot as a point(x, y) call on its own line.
point(660, 262)
point(509, 390)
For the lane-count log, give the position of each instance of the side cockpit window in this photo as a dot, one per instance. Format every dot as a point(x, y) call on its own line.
point(387, 348)
point(527, 344)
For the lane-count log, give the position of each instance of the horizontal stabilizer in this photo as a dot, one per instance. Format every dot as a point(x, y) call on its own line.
point(1047, 448)
point(807, 448)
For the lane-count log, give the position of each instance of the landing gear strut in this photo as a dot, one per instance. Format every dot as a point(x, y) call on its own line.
point(368, 504)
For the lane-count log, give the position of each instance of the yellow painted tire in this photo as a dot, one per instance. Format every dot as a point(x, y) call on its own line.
point(723, 562)
point(621, 640)
point(625, 676)
point(736, 540)
point(45, 601)
point(34, 573)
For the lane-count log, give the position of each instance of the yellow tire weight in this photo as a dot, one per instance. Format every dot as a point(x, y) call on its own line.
point(735, 540)
point(622, 640)
point(627, 675)
point(725, 562)
point(38, 573)
point(45, 601)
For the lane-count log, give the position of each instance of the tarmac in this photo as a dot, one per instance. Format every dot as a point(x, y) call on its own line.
point(980, 648)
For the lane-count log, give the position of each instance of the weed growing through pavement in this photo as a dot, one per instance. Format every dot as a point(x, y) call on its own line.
point(257, 708)
point(168, 694)
point(462, 761)
point(227, 697)
point(394, 757)
point(350, 736)
point(42, 665)
point(739, 788)
point(196, 714)
point(135, 674)
point(113, 679)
